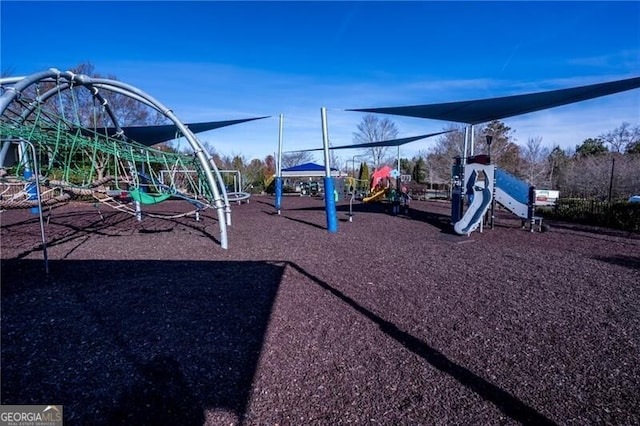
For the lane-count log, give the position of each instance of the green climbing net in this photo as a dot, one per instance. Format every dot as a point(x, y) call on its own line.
point(80, 161)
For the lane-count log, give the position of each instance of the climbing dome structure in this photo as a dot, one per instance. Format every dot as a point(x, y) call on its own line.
point(65, 135)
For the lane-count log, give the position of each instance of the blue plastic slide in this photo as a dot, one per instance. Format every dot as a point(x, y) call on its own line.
point(512, 193)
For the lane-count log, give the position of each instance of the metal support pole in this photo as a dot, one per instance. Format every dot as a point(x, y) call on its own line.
point(36, 174)
point(278, 183)
point(398, 179)
point(330, 203)
point(465, 147)
point(613, 167)
point(493, 196)
point(464, 163)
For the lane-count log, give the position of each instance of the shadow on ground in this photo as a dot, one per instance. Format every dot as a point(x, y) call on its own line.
point(134, 342)
point(626, 261)
point(510, 405)
point(440, 221)
point(78, 226)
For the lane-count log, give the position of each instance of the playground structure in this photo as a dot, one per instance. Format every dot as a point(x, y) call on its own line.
point(236, 192)
point(474, 182)
point(56, 145)
point(383, 189)
point(485, 185)
point(55, 140)
point(509, 191)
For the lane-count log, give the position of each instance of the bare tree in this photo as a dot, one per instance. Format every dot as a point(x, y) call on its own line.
point(626, 176)
point(534, 156)
point(220, 161)
point(296, 158)
point(78, 107)
point(588, 177)
point(335, 160)
point(622, 138)
point(374, 129)
point(128, 111)
point(440, 156)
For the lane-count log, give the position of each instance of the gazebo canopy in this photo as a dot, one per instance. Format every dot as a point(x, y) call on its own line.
point(308, 170)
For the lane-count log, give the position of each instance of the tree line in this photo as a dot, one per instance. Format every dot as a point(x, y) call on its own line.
point(603, 167)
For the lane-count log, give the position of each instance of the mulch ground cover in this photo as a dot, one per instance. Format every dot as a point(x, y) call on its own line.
point(392, 320)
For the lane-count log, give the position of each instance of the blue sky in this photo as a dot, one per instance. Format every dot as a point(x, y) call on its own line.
point(210, 61)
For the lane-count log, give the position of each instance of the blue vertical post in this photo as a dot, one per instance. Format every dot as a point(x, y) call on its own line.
point(329, 200)
point(31, 189)
point(278, 182)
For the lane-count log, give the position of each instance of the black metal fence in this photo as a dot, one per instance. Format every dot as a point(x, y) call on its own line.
point(622, 215)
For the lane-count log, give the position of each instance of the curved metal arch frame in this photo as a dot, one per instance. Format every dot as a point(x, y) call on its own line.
point(66, 80)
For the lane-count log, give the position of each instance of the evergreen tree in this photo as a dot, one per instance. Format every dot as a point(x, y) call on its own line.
point(504, 151)
point(363, 177)
point(591, 146)
point(557, 162)
point(419, 170)
point(633, 148)
point(406, 166)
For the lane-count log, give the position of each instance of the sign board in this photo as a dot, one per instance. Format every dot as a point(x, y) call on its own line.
point(31, 415)
point(546, 197)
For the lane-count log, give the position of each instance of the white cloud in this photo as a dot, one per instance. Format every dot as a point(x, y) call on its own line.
point(570, 125)
point(627, 59)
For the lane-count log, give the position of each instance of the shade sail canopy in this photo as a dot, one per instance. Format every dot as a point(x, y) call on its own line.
point(152, 135)
point(484, 110)
point(393, 142)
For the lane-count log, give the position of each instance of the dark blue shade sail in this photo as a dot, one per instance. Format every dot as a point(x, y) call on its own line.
point(152, 135)
point(484, 110)
point(392, 142)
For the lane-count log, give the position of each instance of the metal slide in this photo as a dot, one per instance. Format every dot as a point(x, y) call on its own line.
point(481, 192)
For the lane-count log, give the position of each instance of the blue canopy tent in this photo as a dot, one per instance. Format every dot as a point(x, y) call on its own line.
point(308, 170)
